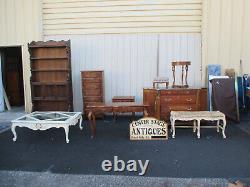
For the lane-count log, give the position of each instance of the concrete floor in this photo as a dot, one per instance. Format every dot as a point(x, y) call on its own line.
point(7, 116)
point(34, 160)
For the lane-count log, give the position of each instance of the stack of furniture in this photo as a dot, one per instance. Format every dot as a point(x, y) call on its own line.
point(92, 88)
point(162, 101)
point(51, 83)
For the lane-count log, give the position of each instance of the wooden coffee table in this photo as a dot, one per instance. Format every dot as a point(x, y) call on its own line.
point(120, 107)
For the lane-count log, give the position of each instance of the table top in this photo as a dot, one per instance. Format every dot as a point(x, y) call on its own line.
point(45, 117)
point(118, 104)
point(192, 114)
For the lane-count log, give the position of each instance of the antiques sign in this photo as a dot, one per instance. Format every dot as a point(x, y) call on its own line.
point(148, 129)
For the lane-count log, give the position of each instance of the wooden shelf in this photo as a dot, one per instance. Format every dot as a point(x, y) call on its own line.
point(50, 83)
point(51, 75)
point(49, 70)
point(48, 58)
point(51, 98)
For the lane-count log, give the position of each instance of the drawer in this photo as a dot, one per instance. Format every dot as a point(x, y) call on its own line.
point(92, 92)
point(92, 74)
point(178, 99)
point(92, 99)
point(91, 80)
point(189, 107)
point(179, 92)
point(92, 86)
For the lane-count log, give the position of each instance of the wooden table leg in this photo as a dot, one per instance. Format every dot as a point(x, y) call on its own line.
point(92, 121)
point(145, 112)
point(133, 116)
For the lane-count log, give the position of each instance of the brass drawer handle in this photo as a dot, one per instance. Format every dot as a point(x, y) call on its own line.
point(189, 100)
point(168, 99)
point(189, 109)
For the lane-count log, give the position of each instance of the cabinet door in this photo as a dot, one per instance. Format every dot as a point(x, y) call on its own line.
point(149, 98)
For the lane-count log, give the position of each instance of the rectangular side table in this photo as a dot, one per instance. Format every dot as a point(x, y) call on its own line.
point(47, 120)
point(122, 107)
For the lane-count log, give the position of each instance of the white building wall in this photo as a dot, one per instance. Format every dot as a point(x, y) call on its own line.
point(73, 17)
point(225, 33)
point(20, 23)
point(130, 61)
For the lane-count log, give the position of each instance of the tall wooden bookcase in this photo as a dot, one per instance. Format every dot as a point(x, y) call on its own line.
point(51, 84)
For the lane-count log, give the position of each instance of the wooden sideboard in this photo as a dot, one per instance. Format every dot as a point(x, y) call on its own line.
point(162, 101)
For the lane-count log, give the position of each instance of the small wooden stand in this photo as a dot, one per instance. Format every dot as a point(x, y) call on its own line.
point(183, 64)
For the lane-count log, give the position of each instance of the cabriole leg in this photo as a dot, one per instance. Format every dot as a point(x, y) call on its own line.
point(66, 129)
point(194, 126)
point(80, 122)
point(218, 126)
point(13, 129)
point(173, 128)
point(224, 128)
point(198, 129)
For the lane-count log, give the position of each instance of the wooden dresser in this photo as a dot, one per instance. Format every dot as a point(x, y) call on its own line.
point(163, 101)
point(92, 88)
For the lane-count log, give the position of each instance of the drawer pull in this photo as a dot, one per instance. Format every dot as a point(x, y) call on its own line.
point(168, 99)
point(189, 100)
point(189, 109)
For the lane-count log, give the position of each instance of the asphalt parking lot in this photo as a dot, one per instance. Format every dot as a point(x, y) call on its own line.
point(211, 157)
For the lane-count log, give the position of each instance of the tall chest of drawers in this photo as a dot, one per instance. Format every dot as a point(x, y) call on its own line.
point(163, 101)
point(92, 88)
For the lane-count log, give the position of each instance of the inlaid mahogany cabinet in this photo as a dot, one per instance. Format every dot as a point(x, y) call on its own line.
point(51, 84)
point(92, 88)
point(163, 101)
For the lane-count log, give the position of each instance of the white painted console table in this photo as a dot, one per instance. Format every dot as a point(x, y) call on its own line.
point(47, 120)
point(196, 117)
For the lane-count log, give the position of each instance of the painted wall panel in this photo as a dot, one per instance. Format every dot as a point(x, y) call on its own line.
point(130, 61)
point(21, 22)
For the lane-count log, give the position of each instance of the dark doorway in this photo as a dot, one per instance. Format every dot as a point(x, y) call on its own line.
point(12, 74)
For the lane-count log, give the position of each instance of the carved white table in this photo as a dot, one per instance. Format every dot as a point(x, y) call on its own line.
point(196, 117)
point(47, 120)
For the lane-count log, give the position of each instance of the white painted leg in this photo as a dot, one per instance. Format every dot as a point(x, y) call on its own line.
point(80, 122)
point(13, 129)
point(66, 129)
point(173, 128)
point(198, 129)
point(218, 126)
point(224, 127)
point(194, 126)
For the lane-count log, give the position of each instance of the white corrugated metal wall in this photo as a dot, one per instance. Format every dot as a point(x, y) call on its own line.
point(20, 23)
point(112, 36)
point(225, 34)
point(130, 61)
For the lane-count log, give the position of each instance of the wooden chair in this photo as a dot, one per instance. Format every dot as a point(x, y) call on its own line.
point(183, 64)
